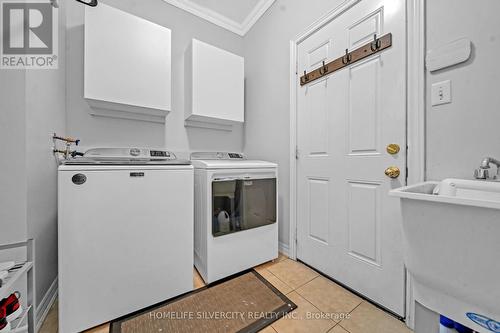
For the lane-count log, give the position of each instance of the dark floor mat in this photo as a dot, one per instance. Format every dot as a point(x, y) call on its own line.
point(245, 303)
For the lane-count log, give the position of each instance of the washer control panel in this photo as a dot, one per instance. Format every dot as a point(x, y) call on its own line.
point(110, 154)
point(159, 153)
point(235, 156)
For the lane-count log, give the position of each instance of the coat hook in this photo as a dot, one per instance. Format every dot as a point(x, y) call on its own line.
point(375, 45)
point(91, 3)
point(305, 78)
point(347, 58)
point(324, 69)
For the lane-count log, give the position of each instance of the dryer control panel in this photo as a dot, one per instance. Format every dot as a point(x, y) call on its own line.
point(217, 156)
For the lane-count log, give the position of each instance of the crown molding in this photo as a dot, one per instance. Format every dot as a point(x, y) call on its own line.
point(252, 18)
point(222, 21)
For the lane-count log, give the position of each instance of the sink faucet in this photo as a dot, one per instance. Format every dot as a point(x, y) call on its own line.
point(483, 173)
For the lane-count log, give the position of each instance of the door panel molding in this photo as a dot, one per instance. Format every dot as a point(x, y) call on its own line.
point(367, 36)
point(317, 94)
point(362, 245)
point(316, 56)
point(364, 110)
point(318, 203)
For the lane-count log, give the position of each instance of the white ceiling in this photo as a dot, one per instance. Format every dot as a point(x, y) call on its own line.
point(234, 10)
point(237, 16)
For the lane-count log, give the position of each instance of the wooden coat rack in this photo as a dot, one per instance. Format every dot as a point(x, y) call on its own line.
point(377, 45)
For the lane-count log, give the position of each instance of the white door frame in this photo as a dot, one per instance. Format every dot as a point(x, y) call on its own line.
point(415, 109)
point(415, 114)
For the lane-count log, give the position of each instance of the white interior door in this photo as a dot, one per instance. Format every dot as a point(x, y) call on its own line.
point(347, 226)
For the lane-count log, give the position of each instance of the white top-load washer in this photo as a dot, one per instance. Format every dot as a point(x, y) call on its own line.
point(236, 215)
point(125, 234)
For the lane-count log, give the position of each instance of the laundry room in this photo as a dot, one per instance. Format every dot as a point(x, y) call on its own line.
point(248, 166)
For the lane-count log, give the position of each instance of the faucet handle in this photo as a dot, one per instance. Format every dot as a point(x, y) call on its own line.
point(481, 173)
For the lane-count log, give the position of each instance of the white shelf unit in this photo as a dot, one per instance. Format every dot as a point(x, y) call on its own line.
point(20, 325)
point(214, 87)
point(127, 65)
point(26, 322)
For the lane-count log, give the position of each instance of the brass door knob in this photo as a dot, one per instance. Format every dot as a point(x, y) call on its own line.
point(392, 172)
point(393, 148)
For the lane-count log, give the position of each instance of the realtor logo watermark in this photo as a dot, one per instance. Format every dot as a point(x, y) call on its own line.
point(29, 35)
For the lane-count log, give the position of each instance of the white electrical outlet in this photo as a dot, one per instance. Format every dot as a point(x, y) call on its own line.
point(441, 93)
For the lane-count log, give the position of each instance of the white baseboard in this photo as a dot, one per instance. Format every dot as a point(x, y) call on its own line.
point(48, 300)
point(283, 248)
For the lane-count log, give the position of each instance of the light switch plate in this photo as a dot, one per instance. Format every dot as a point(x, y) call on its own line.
point(441, 93)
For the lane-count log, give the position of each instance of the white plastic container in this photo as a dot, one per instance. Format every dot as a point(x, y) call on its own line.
point(452, 247)
point(446, 325)
point(444, 329)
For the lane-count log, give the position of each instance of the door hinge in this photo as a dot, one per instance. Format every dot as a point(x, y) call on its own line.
point(296, 245)
point(406, 169)
point(296, 152)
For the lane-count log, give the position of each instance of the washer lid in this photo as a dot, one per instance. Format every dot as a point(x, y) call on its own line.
point(126, 156)
point(224, 160)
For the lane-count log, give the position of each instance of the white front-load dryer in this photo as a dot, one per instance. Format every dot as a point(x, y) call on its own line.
point(236, 214)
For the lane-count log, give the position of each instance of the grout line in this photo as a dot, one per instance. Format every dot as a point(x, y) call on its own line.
point(337, 324)
point(356, 307)
point(331, 330)
point(308, 301)
point(340, 322)
point(345, 329)
point(342, 327)
point(294, 289)
point(278, 277)
point(355, 293)
point(286, 284)
point(314, 278)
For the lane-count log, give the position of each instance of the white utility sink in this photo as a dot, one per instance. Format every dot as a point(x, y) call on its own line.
point(452, 248)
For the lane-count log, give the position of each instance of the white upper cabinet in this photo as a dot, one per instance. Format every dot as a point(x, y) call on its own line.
point(214, 87)
point(127, 65)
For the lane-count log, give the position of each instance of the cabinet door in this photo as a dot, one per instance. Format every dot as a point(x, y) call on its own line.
point(215, 90)
point(128, 61)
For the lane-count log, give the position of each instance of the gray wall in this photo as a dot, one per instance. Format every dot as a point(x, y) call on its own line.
point(100, 131)
point(267, 71)
point(460, 134)
point(32, 107)
point(13, 164)
point(45, 114)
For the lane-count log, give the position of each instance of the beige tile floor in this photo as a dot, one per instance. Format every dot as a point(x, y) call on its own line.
point(323, 306)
